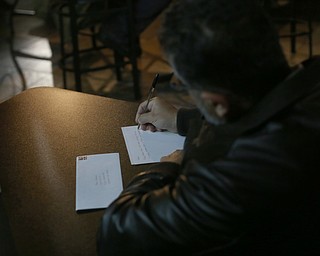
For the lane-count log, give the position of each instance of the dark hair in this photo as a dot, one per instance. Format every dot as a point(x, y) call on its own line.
point(224, 45)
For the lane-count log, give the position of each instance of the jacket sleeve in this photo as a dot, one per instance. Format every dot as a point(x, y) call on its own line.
point(167, 208)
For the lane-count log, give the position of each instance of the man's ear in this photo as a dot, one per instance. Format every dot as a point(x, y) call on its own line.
point(218, 100)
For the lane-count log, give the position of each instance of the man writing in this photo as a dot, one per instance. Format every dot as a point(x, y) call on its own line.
point(247, 181)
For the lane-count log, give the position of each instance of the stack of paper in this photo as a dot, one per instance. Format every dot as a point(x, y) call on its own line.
point(98, 180)
point(148, 147)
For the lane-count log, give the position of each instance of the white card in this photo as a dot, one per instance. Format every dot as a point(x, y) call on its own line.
point(98, 180)
point(148, 147)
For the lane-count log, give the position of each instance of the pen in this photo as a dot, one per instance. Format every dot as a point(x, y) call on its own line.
point(151, 91)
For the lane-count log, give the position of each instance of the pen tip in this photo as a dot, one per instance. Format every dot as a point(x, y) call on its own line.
point(155, 80)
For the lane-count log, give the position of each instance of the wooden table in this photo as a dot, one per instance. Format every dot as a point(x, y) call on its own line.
point(42, 132)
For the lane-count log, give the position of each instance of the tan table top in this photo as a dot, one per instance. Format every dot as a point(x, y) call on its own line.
point(42, 132)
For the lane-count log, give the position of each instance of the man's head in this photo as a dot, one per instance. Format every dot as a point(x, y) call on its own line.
point(226, 47)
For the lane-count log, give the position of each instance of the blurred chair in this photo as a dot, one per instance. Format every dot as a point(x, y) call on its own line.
point(83, 17)
point(7, 11)
point(296, 14)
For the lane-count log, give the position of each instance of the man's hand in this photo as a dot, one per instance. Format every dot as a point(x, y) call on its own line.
point(174, 157)
point(160, 115)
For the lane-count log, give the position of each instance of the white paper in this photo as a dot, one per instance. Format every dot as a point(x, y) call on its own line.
point(98, 180)
point(148, 147)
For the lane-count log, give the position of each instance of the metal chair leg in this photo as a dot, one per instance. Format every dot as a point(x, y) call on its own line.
point(75, 45)
point(11, 45)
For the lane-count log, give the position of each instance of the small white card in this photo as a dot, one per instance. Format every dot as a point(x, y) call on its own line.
point(148, 147)
point(98, 180)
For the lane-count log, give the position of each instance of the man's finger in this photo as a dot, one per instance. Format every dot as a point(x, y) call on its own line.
point(146, 118)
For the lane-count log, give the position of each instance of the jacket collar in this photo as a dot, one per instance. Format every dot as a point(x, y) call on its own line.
point(280, 99)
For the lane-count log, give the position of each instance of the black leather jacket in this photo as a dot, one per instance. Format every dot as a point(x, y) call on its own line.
point(247, 188)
